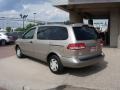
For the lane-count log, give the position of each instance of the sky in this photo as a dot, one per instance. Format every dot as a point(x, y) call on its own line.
point(44, 9)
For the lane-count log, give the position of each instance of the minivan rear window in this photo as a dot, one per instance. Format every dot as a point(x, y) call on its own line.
point(85, 33)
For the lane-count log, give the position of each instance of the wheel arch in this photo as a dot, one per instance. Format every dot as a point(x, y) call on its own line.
point(52, 53)
point(16, 46)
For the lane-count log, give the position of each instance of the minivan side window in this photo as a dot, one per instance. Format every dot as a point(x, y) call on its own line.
point(58, 33)
point(52, 33)
point(43, 33)
point(29, 34)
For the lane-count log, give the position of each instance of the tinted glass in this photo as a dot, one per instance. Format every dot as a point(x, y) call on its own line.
point(29, 34)
point(58, 33)
point(20, 34)
point(52, 33)
point(43, 33)
point(85, 33)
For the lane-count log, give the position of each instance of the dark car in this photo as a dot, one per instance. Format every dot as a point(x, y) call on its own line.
point(15, 35)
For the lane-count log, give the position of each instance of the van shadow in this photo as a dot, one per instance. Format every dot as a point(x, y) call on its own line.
point(80, 72)
point(35, 60)
point(87, 71)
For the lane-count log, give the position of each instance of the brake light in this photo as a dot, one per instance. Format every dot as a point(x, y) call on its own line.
point(76, 46)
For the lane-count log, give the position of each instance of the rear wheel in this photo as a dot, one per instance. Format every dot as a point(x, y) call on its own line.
point(19, 52)
point(55, 64)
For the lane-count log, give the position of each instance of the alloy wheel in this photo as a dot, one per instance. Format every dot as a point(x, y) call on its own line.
point(54, 64)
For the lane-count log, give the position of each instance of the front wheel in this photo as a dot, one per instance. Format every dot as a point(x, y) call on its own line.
point(19, 52)
point(55, 64)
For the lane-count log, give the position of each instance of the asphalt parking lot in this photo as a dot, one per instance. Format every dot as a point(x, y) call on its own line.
point(31, 74)
point(6, 51)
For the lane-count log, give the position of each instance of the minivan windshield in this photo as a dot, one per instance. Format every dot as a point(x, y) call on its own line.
point(85, 33)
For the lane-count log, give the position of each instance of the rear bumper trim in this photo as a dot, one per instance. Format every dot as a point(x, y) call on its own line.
point(90, 58)
point(77, 63)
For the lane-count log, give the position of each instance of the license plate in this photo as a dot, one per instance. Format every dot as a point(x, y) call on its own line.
point(93, 49)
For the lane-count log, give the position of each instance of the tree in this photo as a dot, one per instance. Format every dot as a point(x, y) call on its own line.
point(29, 26)
point(8, 29)
point(19, 29)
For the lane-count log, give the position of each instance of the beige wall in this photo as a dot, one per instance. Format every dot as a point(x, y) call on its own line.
point(69, 6)
point(119, 30)
point(91, 1)
point(114, 25)
point(114, 28)
point(76, 18)
point(67, 2)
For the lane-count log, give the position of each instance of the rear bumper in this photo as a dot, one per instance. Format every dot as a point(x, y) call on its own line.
point(77, 63)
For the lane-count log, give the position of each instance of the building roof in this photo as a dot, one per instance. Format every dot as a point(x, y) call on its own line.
point(67, 2)
point(95, 8)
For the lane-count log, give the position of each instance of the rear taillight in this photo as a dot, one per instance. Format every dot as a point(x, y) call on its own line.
point(76, 46)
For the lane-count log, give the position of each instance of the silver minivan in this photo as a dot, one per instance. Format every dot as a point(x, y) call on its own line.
point(74, 46)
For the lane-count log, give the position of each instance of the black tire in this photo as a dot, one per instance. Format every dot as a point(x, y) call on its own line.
point(19, 52)
point(3, 42)
point(56, 59)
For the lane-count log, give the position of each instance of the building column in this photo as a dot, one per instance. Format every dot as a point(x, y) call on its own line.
point(115, 28)
point(90, 21)
point(76, 18)
point(119, 30)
